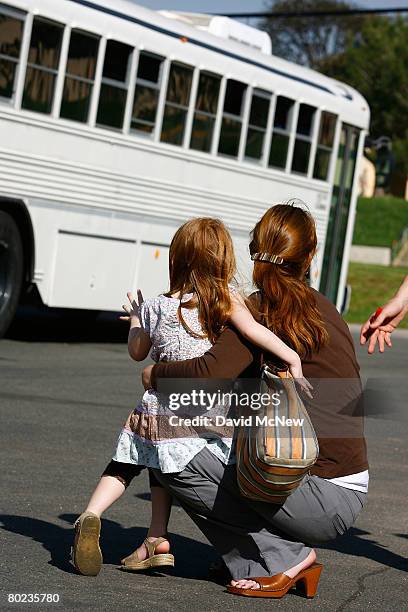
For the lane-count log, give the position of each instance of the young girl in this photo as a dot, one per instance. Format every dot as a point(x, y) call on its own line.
point(181, 324)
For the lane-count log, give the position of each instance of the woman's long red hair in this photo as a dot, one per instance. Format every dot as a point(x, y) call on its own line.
point(287, 304)
point(202, 262)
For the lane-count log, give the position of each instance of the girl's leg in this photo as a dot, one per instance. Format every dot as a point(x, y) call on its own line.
point(114, 481)
point(161, 508)
point(86, 552)
point(108, 490)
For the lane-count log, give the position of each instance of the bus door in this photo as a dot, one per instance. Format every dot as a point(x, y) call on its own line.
point(339, 211)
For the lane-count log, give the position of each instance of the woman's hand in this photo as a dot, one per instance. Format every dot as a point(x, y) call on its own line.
point(146, 376)
point(295, 368)
point(132, 310)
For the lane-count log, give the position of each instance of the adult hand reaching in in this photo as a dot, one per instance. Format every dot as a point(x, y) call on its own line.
point(379, 327)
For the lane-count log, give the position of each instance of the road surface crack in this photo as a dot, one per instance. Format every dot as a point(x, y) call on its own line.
point(361, 587)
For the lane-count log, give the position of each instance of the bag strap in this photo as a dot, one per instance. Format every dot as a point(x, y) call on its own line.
point(279, 369)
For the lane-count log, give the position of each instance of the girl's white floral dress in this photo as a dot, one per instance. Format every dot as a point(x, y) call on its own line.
point(147, 438)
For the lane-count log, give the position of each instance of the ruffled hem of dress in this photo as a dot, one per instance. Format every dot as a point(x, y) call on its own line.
point(166, 456)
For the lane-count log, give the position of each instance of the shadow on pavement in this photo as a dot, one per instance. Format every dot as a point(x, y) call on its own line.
point(116, 543)
point(43, 324)
point(352, 544)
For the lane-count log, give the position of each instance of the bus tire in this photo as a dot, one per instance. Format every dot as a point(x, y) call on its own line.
point(11, 270)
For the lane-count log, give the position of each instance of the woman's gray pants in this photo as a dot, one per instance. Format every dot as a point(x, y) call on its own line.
point(257, 538)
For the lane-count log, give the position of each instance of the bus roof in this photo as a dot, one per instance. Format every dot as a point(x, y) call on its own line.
point(340, 95)
point(130, 10)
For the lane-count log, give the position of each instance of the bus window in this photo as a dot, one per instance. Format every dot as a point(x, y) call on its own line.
point(147, 91)
point(258, 118)
point(324, 145)
point(205, 112)
point(303, 142)
point(115, 76)
point(42, 65)
point(11, 32)
point(232, 118)
point(177, 101)
point(80, 76)
point(282, 126)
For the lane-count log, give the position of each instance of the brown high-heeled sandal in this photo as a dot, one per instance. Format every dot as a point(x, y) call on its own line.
point(132, 563)
point(277, 586)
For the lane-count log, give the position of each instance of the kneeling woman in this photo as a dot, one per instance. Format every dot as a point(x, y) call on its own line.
point(268, 548)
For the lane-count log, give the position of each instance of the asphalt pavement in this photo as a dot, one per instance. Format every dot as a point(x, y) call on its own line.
point(66, 386)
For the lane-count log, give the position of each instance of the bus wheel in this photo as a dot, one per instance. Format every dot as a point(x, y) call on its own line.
point(11, 270)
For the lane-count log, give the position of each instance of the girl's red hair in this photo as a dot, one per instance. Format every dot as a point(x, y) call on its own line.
point(202, 261)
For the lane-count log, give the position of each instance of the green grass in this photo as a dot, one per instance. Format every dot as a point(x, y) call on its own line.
point(380, 221)
point(372, 286)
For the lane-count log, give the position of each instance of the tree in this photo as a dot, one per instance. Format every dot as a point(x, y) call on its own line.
point(310, 40)
point(368, 52)
point(377, 66)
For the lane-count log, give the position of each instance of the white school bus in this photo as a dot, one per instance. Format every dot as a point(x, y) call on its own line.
point(118, 123)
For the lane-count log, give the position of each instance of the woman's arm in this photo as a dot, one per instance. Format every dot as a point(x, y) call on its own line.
point(227, 359)
point(139, 342)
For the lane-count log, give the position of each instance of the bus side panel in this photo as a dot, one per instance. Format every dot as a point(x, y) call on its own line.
point(89, 258)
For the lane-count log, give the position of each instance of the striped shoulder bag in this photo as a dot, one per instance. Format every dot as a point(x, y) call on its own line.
point(279, 446)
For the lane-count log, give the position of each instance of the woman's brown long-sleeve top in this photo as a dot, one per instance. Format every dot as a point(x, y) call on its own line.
point(336, 408)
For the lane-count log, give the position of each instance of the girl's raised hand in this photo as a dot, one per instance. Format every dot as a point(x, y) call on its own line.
point(132, 310)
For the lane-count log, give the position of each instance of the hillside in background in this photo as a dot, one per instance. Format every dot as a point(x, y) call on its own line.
point(380, 221)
